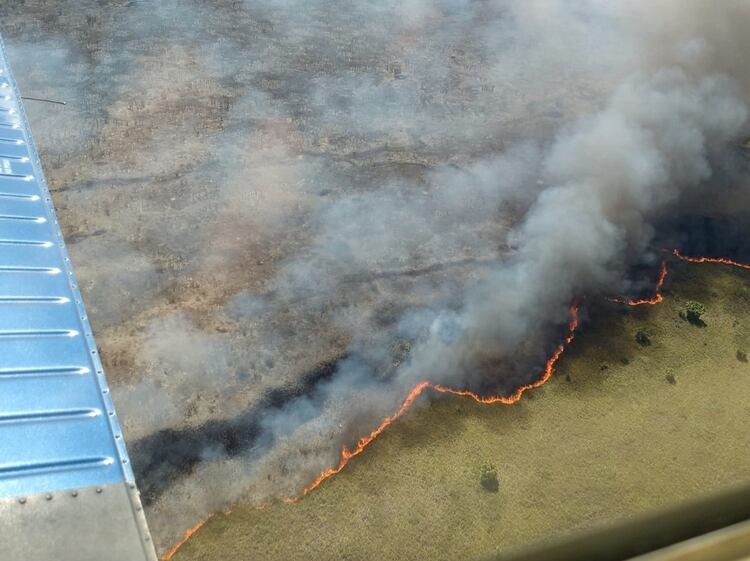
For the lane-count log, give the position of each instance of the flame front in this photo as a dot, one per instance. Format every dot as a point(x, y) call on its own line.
point(347, 454)
point(185, 537)
point(720, 260)
point(363, 442)
point(657, 297)
point(546, 375)
point(417, 390)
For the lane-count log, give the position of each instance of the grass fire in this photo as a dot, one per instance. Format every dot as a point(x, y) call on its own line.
point(347, 454)
point(309, 229)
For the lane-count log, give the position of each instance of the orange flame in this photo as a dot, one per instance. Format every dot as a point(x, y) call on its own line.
point(347, 454)
point(657, 297)
point(722, 260)
point(363, 442)
point(546, 375)
point(416, 391)
point(185, 537)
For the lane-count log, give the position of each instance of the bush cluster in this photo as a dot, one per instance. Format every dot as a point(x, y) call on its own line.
point(693, 311)
point(488, 476)
point(642, 338)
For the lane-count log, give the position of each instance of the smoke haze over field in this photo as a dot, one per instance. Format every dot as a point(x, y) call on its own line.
point(291, 196)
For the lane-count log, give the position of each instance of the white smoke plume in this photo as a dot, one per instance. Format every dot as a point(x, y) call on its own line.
point(347, 182)
point(608, 178)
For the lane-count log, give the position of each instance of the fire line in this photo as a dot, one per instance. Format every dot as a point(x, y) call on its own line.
point(657, 297)
point(719, 260)
point(347, 454)
point(185, 537)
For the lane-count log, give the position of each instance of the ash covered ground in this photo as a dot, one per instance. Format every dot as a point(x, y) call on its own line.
point(254, 194)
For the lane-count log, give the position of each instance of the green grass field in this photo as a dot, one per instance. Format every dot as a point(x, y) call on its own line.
point(620, 428)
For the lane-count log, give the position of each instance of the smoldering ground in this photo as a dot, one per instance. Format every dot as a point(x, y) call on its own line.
point(268, 206)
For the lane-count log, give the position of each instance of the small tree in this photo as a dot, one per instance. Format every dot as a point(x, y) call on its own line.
point(642, 338)
point(400, 351)
point(488, 476)
point(693, 311)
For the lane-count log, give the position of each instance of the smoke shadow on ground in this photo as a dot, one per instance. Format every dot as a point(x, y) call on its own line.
point(163, 457)
point(712, 236)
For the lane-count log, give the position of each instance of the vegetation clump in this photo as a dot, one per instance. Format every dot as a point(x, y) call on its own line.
point(642, 338)
point(400, 351)
point(742, 356)
point(488, 477)
point(693, 312)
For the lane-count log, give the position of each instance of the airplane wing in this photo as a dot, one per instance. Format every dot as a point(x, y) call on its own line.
point(67, 490)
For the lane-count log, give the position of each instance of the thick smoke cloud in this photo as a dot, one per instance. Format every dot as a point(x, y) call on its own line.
point(304, 194)
point(611, 177)
point(608, 178)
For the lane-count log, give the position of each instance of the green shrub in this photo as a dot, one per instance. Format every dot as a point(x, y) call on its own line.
point(488, 477)
point(642, 338)
point(400, 351)
point(693, 311)
point(742, 356)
